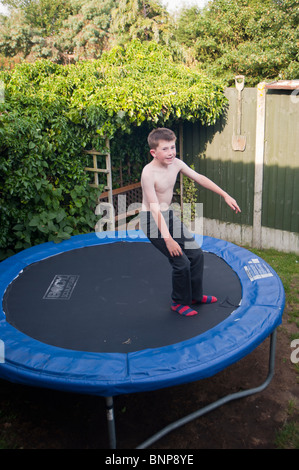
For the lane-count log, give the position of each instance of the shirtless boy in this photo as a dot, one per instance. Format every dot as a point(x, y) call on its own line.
point(165, 231)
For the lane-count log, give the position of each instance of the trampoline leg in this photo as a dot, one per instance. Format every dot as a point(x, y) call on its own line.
point(220, 402)
point(111, 422)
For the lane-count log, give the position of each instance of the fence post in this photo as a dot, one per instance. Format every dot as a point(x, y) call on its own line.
point(259, 165)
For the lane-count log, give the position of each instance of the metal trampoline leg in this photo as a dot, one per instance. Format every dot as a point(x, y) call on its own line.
point(111, 422)
point(220, 402)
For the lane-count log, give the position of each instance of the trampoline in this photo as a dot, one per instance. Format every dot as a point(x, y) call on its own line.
point(92, 315)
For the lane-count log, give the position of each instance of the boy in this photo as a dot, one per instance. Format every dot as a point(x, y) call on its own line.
point(164, 230)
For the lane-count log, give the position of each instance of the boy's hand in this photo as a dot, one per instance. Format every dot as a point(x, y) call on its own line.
point(173, 247)
point(232, 203)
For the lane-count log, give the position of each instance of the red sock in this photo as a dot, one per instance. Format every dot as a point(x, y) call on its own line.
point(183, 310)
point(206, 299)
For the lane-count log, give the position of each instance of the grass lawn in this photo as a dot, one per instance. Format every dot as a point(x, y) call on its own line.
point(287, 267)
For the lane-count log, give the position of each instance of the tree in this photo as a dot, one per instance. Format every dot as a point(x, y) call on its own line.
point(257, 39)
point(78, 30)
point(16, 36)
point(45, 14)
point(74, 30)
point(85, 35)
point(140, 19)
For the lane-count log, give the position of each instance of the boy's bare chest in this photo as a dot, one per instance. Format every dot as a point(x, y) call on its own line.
point(165, 181)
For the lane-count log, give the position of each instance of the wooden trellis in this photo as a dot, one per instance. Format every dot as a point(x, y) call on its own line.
point(96, 170)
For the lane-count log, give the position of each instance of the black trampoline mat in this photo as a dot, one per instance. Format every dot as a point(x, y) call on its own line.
point(113, 298)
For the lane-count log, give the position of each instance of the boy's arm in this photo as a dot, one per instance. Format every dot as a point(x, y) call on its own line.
point(209, 184)
point(150, 195)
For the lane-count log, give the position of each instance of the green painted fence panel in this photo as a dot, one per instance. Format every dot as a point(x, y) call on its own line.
point(281, 162)
point(209, 148)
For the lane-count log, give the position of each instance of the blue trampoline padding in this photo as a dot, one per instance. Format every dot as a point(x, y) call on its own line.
point(28, 361)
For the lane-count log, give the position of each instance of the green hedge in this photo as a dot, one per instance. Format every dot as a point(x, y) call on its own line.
point(52, 112)
point(44, 191)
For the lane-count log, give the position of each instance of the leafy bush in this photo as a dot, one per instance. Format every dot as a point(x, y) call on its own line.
point(44, 191)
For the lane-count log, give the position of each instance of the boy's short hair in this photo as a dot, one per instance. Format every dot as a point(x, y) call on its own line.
point(161, 133)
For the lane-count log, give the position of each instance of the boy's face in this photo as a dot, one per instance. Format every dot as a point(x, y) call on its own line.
point(165, 152)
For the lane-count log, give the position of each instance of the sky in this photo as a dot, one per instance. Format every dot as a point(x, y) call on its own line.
point(2, 8)
point(171, 5)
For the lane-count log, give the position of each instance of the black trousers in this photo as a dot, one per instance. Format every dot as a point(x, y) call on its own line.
point(187, 269)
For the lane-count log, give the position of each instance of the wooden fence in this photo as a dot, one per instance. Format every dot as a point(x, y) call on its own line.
point(264, 178)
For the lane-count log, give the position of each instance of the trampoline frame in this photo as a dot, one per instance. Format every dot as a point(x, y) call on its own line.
point(266, 308)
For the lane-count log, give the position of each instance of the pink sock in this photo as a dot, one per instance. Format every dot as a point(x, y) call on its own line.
point(206, 299)
point(183, 310)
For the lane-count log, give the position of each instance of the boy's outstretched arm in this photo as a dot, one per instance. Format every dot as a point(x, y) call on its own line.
point(209, 184)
